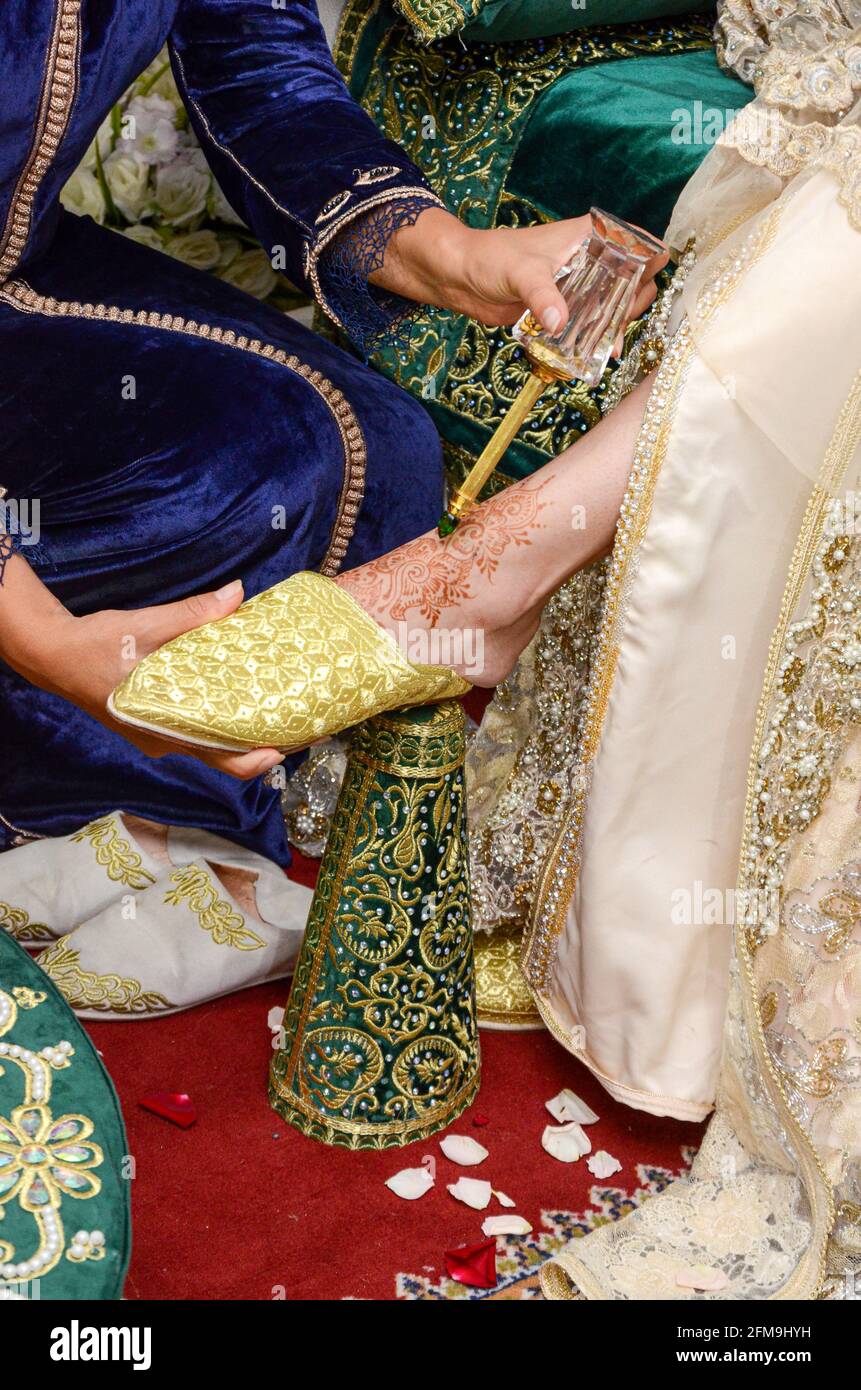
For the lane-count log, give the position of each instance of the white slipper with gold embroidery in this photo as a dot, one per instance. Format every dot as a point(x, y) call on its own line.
point(51, 885)
point(200, 931)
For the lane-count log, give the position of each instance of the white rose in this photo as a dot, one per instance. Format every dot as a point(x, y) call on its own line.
point(83, 196)
point(219, 208)
point(144, 236)
point(181, 192)
point(128, 181)
point(228, 249)
point(149, 130)
point(253, 273)
point(199, 249)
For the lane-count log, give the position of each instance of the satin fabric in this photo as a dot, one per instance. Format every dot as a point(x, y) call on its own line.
point(665, 812)
point(214, 463)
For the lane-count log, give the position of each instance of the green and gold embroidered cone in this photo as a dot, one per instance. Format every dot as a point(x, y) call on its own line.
point(381, 1046)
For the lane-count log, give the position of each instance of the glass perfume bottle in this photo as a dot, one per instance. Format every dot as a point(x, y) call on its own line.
point(599, 287)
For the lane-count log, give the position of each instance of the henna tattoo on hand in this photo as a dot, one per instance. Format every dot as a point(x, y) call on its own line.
point(432, 575)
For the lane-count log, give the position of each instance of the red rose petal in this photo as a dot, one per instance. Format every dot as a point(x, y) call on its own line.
point(479, 1120)
point(171, 1105)
point(474, 1265)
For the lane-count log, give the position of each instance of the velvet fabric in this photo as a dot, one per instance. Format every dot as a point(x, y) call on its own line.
point(512, 19)
point(625, 136)
point(166, 463)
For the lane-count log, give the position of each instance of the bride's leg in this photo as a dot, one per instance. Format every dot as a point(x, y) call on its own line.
point(495, 573)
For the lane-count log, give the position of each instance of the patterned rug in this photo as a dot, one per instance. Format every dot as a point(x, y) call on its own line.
point(519, 1258)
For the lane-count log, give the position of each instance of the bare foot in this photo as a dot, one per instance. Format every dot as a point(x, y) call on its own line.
point(473, 601)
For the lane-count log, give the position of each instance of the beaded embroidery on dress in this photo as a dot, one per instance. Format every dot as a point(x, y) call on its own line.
point(773, 1203)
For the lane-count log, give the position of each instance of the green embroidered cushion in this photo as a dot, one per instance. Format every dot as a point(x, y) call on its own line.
point(64, 1195)
point(517, 133)
point(485, 20)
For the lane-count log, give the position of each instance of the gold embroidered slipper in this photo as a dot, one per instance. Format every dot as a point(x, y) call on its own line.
point(299, 662)
point(186, 940)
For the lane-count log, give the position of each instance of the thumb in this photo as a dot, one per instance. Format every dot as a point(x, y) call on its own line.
point(169, 620)
point(539, 293)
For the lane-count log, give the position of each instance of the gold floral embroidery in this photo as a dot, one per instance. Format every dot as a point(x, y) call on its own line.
point(195, 888)
point(17, 923)
point(42, 1158)
point(381, 1044)
point(84, 989)
point(114, 853)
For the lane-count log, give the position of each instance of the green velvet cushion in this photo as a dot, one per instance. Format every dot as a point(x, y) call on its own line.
point(62, 1146)
point(530, 19)
point(484, 21)
point(616, 136)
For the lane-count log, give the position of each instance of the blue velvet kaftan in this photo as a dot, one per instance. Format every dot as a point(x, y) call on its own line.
point(237, 410)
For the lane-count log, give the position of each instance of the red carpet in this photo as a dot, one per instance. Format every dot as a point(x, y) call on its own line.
point(241, 1207)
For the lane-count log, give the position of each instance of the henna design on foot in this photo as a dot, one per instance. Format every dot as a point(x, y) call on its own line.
point(432, 575)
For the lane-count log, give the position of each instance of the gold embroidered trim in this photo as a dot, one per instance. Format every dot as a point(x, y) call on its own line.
point(436, 19)
point(84, 989)
point(310, 1121)
point(55, 107)
point(214, 914)
point(844, 442)
point(16, 922)
point(16, 830)
point(21, 296)
point(114, 853)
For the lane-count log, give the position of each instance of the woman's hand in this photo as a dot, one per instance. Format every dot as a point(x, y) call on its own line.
point(492, 276)
point(84, 659)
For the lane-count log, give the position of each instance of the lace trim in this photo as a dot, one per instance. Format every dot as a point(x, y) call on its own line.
point(772, 142)
point(798, 56)
point(351, 248)
point(369, 315)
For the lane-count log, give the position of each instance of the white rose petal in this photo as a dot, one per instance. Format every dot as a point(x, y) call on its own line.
point(83, 196)
point(602, 1164)
point(410, 1183)
point(251, 272)
point(228, 249)
point(702, 1277)
point(463, 1149)
point(128, 181)
point(199, 249)
point(181, 192)
point(148, 127)
point(144, 235)
point(505, 1226)
point(567, 1142)
point(503, 1200)
point(566, 1106)
point(472, 1191)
